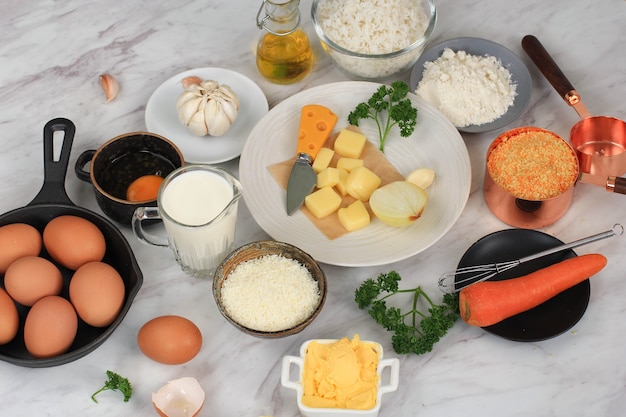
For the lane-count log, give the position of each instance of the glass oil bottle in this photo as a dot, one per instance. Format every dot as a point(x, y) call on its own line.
point(284, 53)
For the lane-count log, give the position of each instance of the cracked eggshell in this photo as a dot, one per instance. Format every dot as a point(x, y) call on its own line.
point(183, 397)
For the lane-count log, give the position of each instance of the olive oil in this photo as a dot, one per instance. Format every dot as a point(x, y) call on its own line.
point(284, 53)
point(284, 59)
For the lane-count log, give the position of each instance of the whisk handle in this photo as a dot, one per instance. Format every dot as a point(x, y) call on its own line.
point(617, 229)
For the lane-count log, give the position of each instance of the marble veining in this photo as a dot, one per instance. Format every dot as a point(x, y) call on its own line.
point(51, 53)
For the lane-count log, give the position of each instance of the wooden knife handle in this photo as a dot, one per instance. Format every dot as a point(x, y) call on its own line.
point(619, 185)
point(547, 66)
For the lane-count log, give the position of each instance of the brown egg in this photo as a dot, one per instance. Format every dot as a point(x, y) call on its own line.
point(50, 327)
point(97, 292)
point(17, 240)
point(73, 241)
point(31, 278)
point(171, 340)
point(10, 322)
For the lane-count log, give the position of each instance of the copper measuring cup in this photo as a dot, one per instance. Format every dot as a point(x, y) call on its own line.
point(515, 209)
point(599, 141)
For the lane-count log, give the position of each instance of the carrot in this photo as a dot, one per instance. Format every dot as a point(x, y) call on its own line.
point(489, 302)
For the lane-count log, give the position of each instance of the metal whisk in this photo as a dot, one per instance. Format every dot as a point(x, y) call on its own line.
point(469, 275)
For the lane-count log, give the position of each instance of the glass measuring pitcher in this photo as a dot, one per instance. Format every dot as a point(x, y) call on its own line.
point(198, 207)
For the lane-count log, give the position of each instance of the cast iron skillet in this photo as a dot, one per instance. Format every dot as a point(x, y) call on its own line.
point(50, 202)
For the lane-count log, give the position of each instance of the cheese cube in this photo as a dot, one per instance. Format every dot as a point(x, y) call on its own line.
point(328, 177)
point(361, 183)
point(323, 202)
point(322, 160)
point(350, 143)
point(341, 185)
point(354, 217)
point(349, 163)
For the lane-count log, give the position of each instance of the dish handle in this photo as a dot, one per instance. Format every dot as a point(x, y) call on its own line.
point(394, 375)
point(285, 379)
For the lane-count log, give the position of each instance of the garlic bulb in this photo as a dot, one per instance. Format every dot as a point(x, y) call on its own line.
point(207, 108)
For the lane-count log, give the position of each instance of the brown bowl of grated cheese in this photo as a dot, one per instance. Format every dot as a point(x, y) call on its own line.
point(269, 289)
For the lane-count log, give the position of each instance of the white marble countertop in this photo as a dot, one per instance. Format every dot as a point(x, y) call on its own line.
point(51, 53)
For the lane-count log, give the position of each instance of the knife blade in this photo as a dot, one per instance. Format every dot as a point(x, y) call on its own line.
point(316, 124)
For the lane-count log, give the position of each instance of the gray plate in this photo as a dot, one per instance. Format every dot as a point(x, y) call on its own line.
point(476, 46)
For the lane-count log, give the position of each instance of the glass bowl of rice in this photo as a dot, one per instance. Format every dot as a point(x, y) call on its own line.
point(374, 39)
point(269, 289)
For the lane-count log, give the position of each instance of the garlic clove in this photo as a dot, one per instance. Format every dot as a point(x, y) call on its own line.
point(187, 105)
point(191, 80)
point(197, 123)
point(110, 86)
point(422, 177)
point(217, 121)
point(230, 95)
point(230, 111)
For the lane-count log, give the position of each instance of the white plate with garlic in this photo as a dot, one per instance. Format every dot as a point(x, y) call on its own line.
point(162, 116)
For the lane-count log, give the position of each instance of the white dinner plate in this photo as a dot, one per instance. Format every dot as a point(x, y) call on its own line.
point(520, 75)
point(161, 116)
point(435, 143)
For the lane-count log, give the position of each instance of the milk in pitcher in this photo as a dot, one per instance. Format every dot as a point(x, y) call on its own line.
point(199, 215)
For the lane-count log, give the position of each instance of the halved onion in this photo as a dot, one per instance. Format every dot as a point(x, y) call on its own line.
point(399, 203)
point(181, 397)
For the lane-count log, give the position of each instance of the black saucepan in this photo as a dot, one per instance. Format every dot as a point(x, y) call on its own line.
point(52, 201)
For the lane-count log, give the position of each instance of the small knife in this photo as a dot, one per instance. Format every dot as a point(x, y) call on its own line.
point(610, 184)
point(316, 124)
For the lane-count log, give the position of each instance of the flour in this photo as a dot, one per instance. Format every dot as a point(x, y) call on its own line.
point(468, 89)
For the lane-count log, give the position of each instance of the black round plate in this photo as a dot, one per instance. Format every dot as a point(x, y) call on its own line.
point(547, 320)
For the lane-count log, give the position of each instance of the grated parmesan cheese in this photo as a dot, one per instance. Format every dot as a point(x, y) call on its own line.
point(270, 293)
point(468, 89)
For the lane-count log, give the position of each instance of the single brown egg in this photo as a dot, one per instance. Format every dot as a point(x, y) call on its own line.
point(10, 322)
point(73, 241)
point(50, 327)
point(171, 340)
point(17, 240)
point(31, 278)
point(97, 293)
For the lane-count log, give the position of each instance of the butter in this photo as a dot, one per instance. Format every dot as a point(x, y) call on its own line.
point(342, 374)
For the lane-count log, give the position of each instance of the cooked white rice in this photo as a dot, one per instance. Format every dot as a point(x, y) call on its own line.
point(372, 26)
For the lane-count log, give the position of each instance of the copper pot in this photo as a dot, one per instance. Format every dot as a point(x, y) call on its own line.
point(599, 141)
point(517, 208)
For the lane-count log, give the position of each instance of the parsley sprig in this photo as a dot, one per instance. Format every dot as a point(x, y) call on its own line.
point(388, 107)
point(414, 331)
point(115, 383)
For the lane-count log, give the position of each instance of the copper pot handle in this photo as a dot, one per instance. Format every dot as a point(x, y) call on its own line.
point(548, 67)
